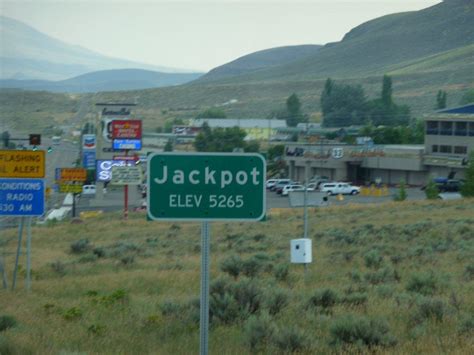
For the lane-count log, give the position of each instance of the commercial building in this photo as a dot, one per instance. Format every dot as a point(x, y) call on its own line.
point(255, 128)
point(449, 138)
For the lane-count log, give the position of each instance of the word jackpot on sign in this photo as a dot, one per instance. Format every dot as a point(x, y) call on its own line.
point(206, 186)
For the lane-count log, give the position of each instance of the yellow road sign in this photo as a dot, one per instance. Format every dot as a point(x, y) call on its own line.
point(22, 163)
point(70, 188)
point(73, 174)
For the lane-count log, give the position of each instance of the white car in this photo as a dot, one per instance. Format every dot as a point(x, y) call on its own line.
point(88, 190)
point(336, 188)
point(289, 188)
point(271, 182)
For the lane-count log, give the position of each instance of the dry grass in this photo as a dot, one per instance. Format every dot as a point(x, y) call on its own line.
point(412, 237)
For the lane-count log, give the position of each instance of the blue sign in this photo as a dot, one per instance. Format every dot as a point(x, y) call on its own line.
point(88, 159)
point(21, 197)
point(127, 144)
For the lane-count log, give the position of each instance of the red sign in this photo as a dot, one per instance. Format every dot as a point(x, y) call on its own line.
point(126, 157)
point(126, 129)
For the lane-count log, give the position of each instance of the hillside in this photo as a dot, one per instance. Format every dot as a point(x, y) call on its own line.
point(386, 41)
point(26, 53)
point(424, 51)
point(391, 278)
point(105, 80)
point(260, 60)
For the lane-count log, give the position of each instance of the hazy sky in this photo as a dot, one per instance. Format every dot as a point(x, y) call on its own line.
point(198, 34)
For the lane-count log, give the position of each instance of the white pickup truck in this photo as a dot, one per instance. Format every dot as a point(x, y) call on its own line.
point(336, 188)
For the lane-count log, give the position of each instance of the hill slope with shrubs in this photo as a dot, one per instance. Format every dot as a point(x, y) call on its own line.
point(394, 277)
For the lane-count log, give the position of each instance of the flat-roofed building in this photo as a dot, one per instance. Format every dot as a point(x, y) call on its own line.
point(449, 138)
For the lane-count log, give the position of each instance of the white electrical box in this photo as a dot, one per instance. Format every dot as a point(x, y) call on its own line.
point(301, 252)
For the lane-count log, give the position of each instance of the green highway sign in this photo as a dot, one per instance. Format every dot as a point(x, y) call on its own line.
point(206, 186)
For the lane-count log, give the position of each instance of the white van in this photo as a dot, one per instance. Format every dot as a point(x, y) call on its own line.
point(336, 188)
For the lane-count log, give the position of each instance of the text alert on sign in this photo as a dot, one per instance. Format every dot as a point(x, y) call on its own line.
point(206, 186)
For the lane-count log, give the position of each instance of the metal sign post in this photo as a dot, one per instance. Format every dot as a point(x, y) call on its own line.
point(28, 255)
point(18, 250)
point(205, 187)
point(204, 306)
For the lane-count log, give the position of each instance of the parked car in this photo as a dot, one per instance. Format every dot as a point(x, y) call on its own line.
point(280, 182)
point(88, 190)
point(278, 188)
point(449, 185)
point(270, 183)
point(336, 188)
point(318, 180)
point(291, 187)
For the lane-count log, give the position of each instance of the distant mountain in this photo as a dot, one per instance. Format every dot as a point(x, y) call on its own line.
point(105, 80)
point(26, 53)
point(383, 43)
point(261, 60)
point(424, 51)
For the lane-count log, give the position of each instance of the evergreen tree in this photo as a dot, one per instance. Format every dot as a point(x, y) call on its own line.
point(402, 192)
point(6, 139)
point(441, 99)
point(467, 190)
point(387, 91)
point(293, 108)
point(431, 190)
point(343, 105)
point(169, 146)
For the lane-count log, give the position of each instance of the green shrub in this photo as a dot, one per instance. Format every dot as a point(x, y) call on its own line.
point(72, 313)
point(276, 300)
point(170, 308)
point(259, 331)
point(469, 272)
point(325, 299)
point(281, 272)
point(223, 308)
point(401, 194)
point(96, 329)
point(80, 246)
point(259, 237)
point(356, 298)
point(232, 301)
point(100, 252)
point(466, 326)
point(58, 267)
point(252, 266)
point(124, 248)
point(431, 190)
point(384, 275)
point(88, 258)
point(385, 291)
point(351, 329)
point(127, 259)
point(290, 339)
point(424, 283)
point(248, 296)
point(7, 322)
point(373, 259)
point(232, 265)
point(429, 308)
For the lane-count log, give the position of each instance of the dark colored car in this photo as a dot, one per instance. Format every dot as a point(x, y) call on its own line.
point(279, 187)
point(449, 186)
